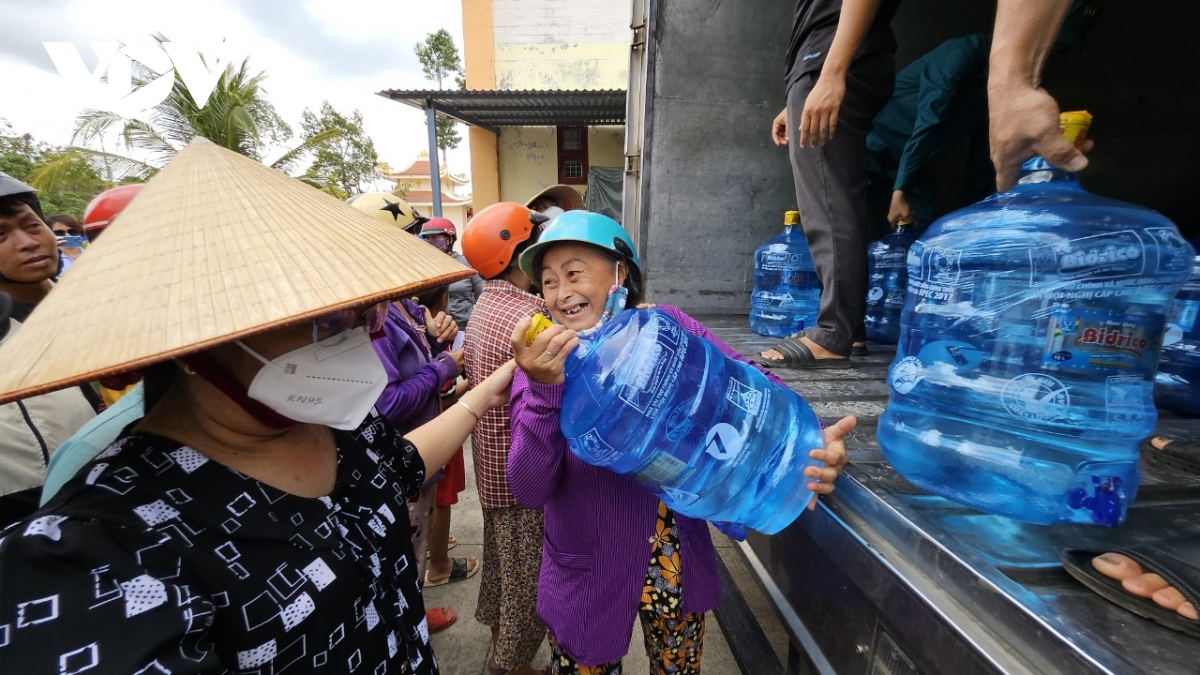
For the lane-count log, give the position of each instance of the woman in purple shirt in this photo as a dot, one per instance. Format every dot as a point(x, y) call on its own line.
point(415, 355)
point(612, 550)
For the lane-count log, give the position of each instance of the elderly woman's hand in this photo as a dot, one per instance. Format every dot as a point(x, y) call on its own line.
point(834, 457)
point(441, 327)
point(543, 360)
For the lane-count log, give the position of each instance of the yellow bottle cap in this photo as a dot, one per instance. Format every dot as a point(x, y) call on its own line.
point(1075, 126)
point(540, 323)
point(791, 218)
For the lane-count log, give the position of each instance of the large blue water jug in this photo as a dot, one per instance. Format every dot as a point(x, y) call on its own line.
point(711, 436)
point(1177, 386)
point(1023, 379)
point(787, 292)
point(887, 285)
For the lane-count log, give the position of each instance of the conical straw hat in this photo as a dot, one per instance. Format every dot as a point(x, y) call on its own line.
point(568, 198)
point(215, 248)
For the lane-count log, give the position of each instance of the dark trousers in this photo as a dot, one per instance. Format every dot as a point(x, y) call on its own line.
point(831, 192)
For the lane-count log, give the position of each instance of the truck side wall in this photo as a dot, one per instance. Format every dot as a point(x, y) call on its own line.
point(714, 185)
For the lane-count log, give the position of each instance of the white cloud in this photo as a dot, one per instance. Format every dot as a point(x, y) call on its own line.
point(338, 50)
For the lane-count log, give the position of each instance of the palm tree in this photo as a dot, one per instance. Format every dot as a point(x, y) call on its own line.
point(237, 116)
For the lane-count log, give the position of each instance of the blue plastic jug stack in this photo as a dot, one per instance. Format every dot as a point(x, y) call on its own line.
point(787, 292)
point(1177, 387)
point(711, 436)
point(887, 284)
point(1023, 380)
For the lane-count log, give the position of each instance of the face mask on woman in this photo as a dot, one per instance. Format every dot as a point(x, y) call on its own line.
point(334, 382)
point(614, 304)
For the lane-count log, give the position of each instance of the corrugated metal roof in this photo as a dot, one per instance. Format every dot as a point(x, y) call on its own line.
point(524, 108)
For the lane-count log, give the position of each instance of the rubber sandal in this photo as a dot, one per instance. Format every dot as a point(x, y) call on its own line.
point(797, 355)
point(1182, 455)
point(859, 350)
point(459, 571)
point(439, 619)
point(1175, 561)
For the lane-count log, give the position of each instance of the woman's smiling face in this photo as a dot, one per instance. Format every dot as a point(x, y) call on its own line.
point(575, 279)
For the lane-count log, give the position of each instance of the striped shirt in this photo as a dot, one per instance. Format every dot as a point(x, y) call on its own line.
point(488, 346)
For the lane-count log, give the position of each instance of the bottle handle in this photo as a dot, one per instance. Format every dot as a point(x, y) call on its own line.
point(732, 530)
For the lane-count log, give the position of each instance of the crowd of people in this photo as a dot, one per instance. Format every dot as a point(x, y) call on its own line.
point(263, 475)
point(273, 493)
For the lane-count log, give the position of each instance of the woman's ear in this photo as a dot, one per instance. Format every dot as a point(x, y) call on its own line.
point(622, 272)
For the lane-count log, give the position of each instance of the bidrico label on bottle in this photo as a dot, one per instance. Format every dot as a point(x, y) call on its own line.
point(780, 260)
point(1089, 340)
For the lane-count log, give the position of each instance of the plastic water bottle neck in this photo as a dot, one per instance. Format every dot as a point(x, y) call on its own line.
point(1037, 170)
point(575, 359)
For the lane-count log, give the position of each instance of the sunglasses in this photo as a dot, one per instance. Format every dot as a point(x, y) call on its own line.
point(69, 232)
point(343, 321)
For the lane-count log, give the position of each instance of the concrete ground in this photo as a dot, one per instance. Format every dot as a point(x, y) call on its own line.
point(462, 649)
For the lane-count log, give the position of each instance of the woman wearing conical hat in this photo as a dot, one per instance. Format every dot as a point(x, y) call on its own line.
point(255, 519)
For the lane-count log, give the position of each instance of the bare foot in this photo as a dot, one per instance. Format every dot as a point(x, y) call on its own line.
point(1159, 442)
point(1135, 579)
point(818, 351)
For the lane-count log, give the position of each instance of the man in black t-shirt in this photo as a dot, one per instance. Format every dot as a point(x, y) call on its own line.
point(840, 71)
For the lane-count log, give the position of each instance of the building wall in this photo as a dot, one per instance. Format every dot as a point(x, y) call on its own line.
point(422, 182)
point(540, 44)
point(561, 44)
point(479, 60)
point(456, 214)
point(606, 146)
point(528, 158)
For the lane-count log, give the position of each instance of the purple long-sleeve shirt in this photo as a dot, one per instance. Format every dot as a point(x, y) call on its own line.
point(410, 398)
point(598, 526)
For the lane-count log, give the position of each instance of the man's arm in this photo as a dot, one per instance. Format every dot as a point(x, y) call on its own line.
point(1024, 118)
point(818, 121)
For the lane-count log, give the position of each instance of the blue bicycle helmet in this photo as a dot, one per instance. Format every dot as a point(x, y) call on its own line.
point(586, 227)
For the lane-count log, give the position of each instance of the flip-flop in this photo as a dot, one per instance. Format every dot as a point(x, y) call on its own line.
point(1175, 561)
point(459, 571)
point(796, 354)
point(859, 350)
point(1182, 455)
point(439, 619)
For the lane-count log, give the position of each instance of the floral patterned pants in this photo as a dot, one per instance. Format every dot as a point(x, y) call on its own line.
point(674, 640)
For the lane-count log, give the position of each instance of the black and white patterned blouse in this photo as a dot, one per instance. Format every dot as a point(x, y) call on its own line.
point(157, 560)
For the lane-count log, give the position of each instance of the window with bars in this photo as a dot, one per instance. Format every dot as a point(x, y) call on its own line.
point(572, 155)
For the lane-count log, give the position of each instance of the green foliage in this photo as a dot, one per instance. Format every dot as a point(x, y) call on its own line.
point(236, 116)
point(447, 135)
point(403, 187)
point(67, 180)
point(343, 156)
point(439, 57)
